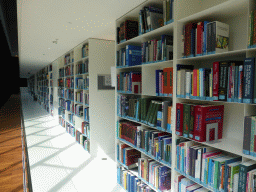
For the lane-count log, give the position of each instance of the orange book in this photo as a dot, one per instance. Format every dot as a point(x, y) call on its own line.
point(168, 80)
point(169, 114)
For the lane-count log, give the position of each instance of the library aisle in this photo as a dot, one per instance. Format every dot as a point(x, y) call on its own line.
point(57, 161)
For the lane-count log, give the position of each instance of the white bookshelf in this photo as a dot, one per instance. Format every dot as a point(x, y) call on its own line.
point(233, 12)
point(101, 102)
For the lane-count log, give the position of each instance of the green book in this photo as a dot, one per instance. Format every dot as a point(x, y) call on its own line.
point(151, 115)
point(150, 110)
point(158, 108)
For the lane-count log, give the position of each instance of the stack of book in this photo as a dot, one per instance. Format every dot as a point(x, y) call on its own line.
point(205, 37)
point(155, 174)
point(127, 155)
point(157, 50)
point(130, 182)
point(129, 82)
point(128, 56)
point(199, 122)
point(214, 168)
point(164, 82)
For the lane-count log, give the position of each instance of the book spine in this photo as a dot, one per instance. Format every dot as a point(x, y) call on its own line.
point(223, 78)
point(247, 135)
point(179, 119)
point(248, 80)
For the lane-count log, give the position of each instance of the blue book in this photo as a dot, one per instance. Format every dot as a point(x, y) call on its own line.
point(160, 139)
point(166, 141)
point(205, 38)
point(164, 178)
point(193, 36)
point(133, 55)
point(157, 80)
point(132, 183)
point(248, 85)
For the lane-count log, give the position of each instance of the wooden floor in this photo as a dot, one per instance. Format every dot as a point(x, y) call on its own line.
point(11, 172)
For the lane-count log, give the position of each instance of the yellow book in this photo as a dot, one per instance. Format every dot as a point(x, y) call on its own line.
point(198, 85)
point(125, 183)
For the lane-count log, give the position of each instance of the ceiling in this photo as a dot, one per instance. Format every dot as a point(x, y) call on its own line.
point(41, 23)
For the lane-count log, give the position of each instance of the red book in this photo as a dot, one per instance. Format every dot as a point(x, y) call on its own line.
point(200, 28)
point(215, 79)
point(208, 117)
point(195, 82)
point(179, 119)
point(188, 28)
point(131, 156)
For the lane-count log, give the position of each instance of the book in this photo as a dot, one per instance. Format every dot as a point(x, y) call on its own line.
point(208, 119)
point(248, 80)
point(128, 30)
point(243, 169)
point(133, 55)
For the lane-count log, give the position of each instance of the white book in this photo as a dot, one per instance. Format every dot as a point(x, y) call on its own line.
point(222, 36)
point(235, 182)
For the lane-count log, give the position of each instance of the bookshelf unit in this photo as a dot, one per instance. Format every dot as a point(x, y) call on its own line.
point(235, 13)
point(89, 119)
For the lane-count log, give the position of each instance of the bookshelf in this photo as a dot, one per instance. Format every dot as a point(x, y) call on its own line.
point(84, 111)
point(235, 13)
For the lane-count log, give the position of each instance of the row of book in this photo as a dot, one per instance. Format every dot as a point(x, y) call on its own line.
point(249, 138)
point(86, 129)
point(127, 155)
point(69, 70)
point(86, 114)
point(61, 72)
point(157, 50)
point(71, 118)
point(149, 51)
point(129, 82)
point(82, 140)
point(231, 81)
point(69, 106)
point(62, 102)
point(252, 31)
point(205, 37)
point(69, 94)
point(69, 58)
point(150, 18)
point(82, 83)
point(61, 83)
point(70, 129)
point(86, 98)
point(79, 96)
point(156, 113)
point(78, 110)
point(61, 92)
point(62, 121)
point(200, 122)
point(85, 50)
point(82, 67)
point(164, 81)
point(154, 173)
point(61, 112)
point(153, 142)
point(69, 83)
point(130, 182)
point(214, 168)
point(181, 184)
point(128, 56)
